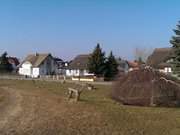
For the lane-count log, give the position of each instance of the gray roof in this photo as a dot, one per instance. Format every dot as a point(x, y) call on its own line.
point(79, 62)
point(159, 58)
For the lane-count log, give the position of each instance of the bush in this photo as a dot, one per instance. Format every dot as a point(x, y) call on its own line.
point(146, 87)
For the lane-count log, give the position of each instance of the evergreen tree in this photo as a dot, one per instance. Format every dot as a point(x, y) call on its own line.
point(140, 61)
point(175, 41)
point(111, 69)
point(96, 63)
point(5, 66)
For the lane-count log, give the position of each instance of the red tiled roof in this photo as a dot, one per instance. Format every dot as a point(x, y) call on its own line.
point(133, 64)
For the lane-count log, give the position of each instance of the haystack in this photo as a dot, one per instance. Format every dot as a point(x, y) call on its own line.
point(147, 87)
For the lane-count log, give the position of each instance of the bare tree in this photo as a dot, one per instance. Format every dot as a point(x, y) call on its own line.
point(141, 54)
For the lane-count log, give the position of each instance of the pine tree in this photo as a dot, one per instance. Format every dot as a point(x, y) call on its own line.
point(5, 66)
point(111, 69)
point(175, 41)
point(140, 61)
point(96, 63)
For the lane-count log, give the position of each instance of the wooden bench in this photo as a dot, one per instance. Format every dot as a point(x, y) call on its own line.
point(77, 90)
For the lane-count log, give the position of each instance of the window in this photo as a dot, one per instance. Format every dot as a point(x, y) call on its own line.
point(168, 70)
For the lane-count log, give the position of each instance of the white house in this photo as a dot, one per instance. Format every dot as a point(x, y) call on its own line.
point(161, 59)
point(36, 65)
point(78, 66)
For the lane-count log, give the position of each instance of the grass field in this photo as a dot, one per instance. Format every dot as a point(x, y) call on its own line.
point(97, 113)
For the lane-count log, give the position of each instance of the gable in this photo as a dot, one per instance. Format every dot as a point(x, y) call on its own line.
point(36, 59)
point(160, 57)
point(27, 64)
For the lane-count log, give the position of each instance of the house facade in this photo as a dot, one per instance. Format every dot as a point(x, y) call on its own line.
point(161, 60)
point(78, 66)
point(36, 65)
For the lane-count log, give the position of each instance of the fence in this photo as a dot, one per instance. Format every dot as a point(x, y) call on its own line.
point(53, 78)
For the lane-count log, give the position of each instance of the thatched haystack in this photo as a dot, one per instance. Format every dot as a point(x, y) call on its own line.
point(147, 87)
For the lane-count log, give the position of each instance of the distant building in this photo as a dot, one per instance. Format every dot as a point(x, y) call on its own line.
point(14, 63)
point(62, 65)
point(123, 65)
point(78, 66)
point(36, 65)
point(161, 59)
point(133, 65)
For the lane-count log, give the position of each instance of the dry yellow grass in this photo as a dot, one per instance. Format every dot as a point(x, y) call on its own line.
point(45, 110)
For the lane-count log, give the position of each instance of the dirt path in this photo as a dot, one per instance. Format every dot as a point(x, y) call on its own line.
point(43, 113)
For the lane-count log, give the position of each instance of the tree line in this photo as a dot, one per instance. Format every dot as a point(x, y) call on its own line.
point(107, 67)
point(101, 65)
point(175, 41)
point(5, 66)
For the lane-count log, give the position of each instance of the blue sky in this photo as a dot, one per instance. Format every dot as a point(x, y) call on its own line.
point(70, 27)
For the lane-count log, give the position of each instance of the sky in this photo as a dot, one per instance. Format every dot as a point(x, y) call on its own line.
point(67, 28)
